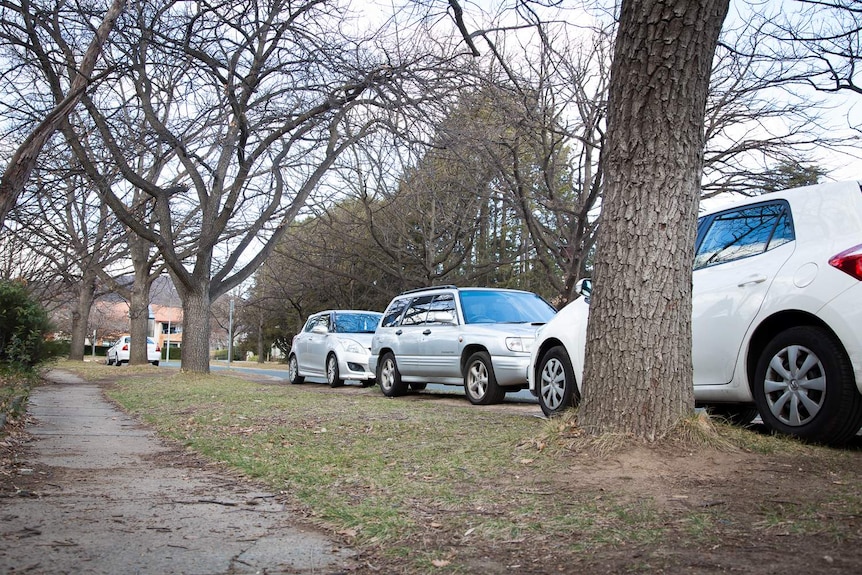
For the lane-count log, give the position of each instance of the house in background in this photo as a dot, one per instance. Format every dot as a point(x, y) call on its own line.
point(109, 316)
point(167, 326)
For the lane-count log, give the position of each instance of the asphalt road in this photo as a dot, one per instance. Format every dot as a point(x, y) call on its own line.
point(523, 396)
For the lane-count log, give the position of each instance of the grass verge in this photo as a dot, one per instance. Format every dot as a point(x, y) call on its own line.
point(420, 485)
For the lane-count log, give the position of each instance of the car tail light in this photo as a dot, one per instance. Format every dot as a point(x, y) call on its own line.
point(125, 347)
point(158, 348)
point(849, 261)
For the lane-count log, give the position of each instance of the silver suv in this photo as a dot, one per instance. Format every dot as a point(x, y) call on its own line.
point(476, 337)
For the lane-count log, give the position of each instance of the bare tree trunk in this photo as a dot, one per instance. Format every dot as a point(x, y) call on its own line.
point(139, 316)
point(81, 314)
point(139, 300)
point(638, 374)
point(196, 329)
point(260, 349)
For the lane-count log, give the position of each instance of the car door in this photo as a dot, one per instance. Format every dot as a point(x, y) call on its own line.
point(409, 353)
point(739, 253)
point(438, 341)
point(300, 344)
point(315, 344)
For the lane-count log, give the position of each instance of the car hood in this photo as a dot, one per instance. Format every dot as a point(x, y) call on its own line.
point(503, 329)
point(362, 338)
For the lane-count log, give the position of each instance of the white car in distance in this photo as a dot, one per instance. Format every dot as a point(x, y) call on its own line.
point(118, 354)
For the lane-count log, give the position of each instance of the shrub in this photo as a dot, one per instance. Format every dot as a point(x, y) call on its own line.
point(23, 326)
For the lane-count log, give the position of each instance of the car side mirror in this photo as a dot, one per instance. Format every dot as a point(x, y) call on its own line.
point(584, 287)
point(321, 329)
point(441, 317)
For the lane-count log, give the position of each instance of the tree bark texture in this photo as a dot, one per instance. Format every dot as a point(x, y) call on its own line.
point(139, 317)
point(196, 329)
point(86, 291)
point(638, 373)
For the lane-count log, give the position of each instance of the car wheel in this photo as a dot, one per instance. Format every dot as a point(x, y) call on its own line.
point(804, 386)
point(558, 390)
point(734, 413)
point(156, 363)
point(480, 385)
point(389, 377)
point(293, 371)
point(332, 376)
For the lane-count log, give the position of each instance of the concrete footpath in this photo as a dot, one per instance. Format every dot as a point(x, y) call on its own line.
point(104, 495)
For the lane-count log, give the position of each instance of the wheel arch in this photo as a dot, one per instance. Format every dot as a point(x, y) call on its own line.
point(774, 325)
point(543, 349)
point(383, 351)
point(468, 351)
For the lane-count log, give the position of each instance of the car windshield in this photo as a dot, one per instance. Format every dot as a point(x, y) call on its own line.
point(492, 306)
point(356, 322)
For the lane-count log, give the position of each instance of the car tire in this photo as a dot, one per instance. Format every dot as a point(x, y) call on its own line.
point(555, 380)
point(155, 363)
point(417, 386)
point(804, 386)
point(369, 382)
point(389, 377)
point(333, 378)
point(480, 384)
point(293, 371)
point(734, 413)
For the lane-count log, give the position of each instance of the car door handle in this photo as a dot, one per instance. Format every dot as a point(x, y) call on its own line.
point(398, 332)
point(752, 280)
point(426, 332)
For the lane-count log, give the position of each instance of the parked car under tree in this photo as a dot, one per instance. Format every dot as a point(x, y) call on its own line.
point(776, 316)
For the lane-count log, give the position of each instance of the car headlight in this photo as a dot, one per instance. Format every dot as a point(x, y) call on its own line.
point(520, 344)
point(352, 346)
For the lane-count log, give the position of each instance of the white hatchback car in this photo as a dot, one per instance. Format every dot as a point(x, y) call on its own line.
point(118, 353)
point(776, 316)
point(334, 344)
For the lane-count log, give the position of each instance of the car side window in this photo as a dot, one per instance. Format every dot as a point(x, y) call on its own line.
point(745, 232)
point(393, 313)
point(309, 325)
point(442, 309)
point(417, 311)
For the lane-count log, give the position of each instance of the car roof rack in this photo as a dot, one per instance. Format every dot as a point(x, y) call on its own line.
point(429, 288)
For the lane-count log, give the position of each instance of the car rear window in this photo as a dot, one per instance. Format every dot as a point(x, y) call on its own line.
point(744, 232)
point(393, 312)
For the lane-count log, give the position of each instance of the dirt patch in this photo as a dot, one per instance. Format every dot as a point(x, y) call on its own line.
point(742, 499)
